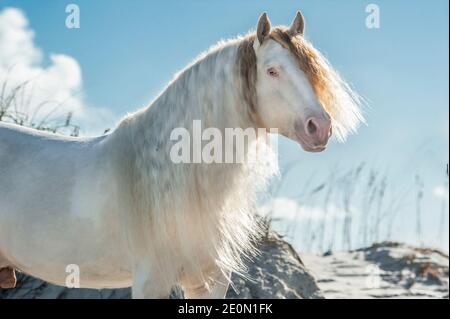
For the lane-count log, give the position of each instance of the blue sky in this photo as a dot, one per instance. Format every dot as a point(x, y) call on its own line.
point(128, 51)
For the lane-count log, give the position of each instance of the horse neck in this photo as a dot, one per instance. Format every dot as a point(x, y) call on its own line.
point(209, 90)
point(189, 200)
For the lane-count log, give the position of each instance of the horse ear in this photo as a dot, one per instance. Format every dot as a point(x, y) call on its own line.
point(298, 26)
point(263, 29)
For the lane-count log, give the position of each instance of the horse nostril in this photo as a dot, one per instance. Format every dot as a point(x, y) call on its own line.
point(311, 127)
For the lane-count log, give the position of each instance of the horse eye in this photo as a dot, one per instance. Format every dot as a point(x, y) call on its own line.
point(272, 72)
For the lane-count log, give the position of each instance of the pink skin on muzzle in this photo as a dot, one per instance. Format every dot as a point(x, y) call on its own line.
point(314, 133)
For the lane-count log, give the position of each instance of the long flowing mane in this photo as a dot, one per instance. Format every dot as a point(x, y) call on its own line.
point(170, 205)
point(219, 88)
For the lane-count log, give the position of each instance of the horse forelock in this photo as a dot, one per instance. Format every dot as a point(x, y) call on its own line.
point(246, 64)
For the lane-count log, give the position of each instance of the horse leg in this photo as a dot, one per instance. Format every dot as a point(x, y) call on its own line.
point(215, 289)
point(147, 286)
point(7, 278)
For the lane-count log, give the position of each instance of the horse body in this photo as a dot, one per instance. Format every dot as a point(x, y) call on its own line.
point(59, 202)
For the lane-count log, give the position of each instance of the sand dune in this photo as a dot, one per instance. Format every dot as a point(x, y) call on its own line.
point(386, 270)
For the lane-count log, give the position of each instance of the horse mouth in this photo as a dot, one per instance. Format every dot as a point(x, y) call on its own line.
point(316, 149)
point(308, 147)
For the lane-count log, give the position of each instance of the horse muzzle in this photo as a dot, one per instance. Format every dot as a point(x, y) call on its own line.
point(314, 133)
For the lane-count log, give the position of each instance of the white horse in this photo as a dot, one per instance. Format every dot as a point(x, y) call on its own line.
point(118, 207)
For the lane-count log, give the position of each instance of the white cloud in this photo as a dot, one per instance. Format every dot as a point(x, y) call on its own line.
point(289, 209)
point(55, 88)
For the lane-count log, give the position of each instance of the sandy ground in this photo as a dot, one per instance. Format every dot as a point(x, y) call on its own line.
point(276, 273)
point(387, 270)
